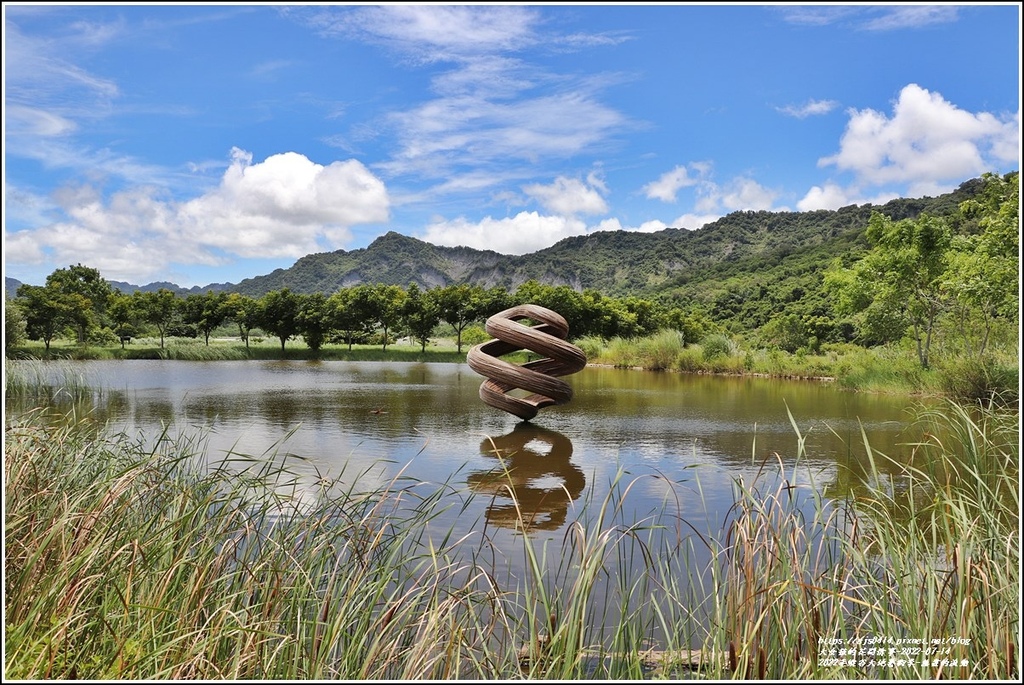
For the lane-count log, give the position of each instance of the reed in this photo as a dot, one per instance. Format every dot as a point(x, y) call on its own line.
point(142, 559)
point(48, 382)
point(918, 580)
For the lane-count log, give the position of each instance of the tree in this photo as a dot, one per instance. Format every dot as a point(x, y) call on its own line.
point(420, 314)
point(982, 278)
point(314, 319)
point(694, 324)
point(648, 316)
point(351, 311)
point(459, 306)
point(15, 331)
point(244, 311)
point(159, 308)
point(277, 314)
point(561, 299)
point(48, 311)
point(94, 293)
point(495, 299)
point(125, 316)
point(205, 312)
point(900, 275)
point(387, 301)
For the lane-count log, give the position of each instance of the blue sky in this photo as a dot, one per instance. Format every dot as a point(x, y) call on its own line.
point(204, 144)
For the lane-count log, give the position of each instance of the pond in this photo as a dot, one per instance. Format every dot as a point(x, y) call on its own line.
point(678, 443)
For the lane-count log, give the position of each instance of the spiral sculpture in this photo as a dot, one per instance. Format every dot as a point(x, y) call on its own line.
point(538, 377)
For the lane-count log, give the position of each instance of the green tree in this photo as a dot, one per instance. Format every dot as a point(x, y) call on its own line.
point(314, 320)
point(420, 314)
point(125, 316)
point(15, 331)
point(205, 312)
point(982, 278)
point(901, 276)
point(49, 311)
point(694, 324)
point(94, 293)
point(561, 299)
point(351, 311)
point(278, 310)
point(460, 305)
point(648, 316)
point(386, 302)
point(495, 299)
point(160, 308)
point(244, 311)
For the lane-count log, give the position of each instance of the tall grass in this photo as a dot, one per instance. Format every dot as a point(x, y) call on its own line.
point(137, 560)
point(47, 382)
point(918, 580)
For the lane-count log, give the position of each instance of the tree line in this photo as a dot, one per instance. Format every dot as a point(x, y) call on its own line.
point(77, 301)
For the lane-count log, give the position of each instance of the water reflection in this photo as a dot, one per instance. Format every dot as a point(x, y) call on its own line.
point(533, 481)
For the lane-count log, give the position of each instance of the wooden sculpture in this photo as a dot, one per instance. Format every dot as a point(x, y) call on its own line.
point(538, 378)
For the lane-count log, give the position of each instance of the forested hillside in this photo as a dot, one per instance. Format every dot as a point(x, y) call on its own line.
point(671, 263)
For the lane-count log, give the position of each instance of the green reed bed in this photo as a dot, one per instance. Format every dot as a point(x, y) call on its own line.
point(919, 579)
point(129, 561)
point(888, 368)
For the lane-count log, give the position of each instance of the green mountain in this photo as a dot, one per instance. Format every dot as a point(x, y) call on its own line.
point(392, 258)
point(666, 263)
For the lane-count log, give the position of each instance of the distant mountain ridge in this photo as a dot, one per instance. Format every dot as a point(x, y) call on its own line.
point(613, 262)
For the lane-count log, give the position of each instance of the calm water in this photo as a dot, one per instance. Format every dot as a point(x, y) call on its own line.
point(682, 440)
point(427, 420)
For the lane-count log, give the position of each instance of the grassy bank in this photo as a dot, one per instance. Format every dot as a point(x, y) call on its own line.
point(190, 349)
point(131, 562)
point(882, 369)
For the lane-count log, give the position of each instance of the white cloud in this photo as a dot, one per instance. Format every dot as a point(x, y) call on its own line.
point(23, 247)
point(913, 16)
point(831, 196)
point(525, 232)
point(872, 18)
point(652, 226)
point(745, 193)
point(271, 69)
point(469, 132)
point(29, 121)
point(1006, 142)
point(434, 32)
point(669, 183)
point(810, 108)
point(694, 221)
point(283, 206)
point(613, 224)
point(569, 196)
point(927, 142)
point(37, 72)
point(492, 108)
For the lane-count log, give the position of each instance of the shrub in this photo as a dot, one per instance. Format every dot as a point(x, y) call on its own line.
point(621, 352)
point(659, 351)
point(474, 335)
point(716, 345)
point(983, 379)
point(591, 345)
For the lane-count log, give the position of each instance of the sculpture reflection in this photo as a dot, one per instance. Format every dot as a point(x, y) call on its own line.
point(533, 482)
